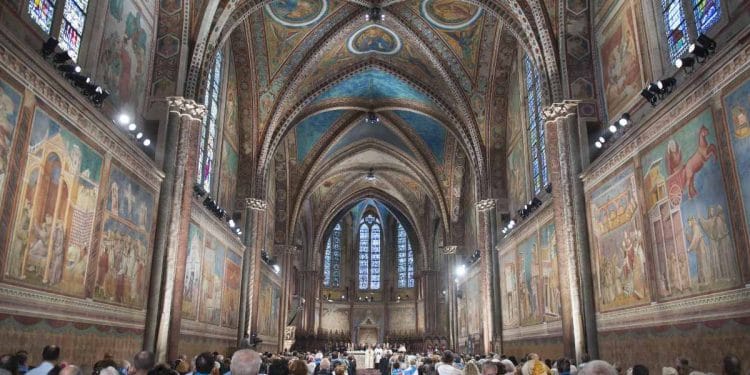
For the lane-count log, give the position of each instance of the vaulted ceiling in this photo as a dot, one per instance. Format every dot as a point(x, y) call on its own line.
point(310, 72)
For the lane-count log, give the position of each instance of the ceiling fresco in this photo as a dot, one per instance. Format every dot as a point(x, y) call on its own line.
point(374, 85)
point(311, 129)
point(429, 130)
point(362, 130)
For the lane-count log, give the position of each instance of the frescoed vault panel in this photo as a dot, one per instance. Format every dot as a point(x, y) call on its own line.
point(364, 130)
point(374, 39)
point(432, 132)
point(373, 84)
point(309, 131)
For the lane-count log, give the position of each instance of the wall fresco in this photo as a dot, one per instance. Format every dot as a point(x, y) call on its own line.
point(230, 300)
point(193, 265)
point(509, 289)
point(550, 272)
point(10, 104)
point(529, 281)
point(269, 307)
point(737, 112)
point(228, 176)
point(212, 276)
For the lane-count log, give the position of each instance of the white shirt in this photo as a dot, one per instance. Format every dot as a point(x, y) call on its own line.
point(446, 369)
point(42, 369)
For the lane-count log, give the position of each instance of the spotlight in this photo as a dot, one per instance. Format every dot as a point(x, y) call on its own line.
point(372, 118)
point(374, 14)
point(132, 127)
point(686, 62)
point(666, 85)
point(699, 52)
point(78, 80)
point(277, 269)
point(613, 129)
point(511, 224)
point(61, 57)
point(90, 88)
point(602, 140)
point(99, 97)
point(231, 223)
point(624, 119)
point(139, 135)
point(707, 42)
point(505, 230)
point(461, 270)
point(69, 68)
point(536, 202)
point(548, 188)
point(48, 47)
point(649, 96)
point(654, 88)
point(343, 296)
point(123, 119)
point(146, 142)
point(598, 144)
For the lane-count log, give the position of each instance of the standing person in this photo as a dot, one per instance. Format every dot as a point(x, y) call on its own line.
point(324, 368)
point(50, 356)
point(384, 365)
point(446, 365)
point(352, 370)
point(731, 366)
point(378, 356)
point(396, 369)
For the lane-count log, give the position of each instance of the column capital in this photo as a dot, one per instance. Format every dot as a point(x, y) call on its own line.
point(486, 204)
point(186, 107)
point(449, 249)
point(560, 110)
point(256, 204)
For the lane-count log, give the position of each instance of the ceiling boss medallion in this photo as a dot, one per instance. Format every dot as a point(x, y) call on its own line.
point(450, 14)
point(297, 13)
point(374, 39)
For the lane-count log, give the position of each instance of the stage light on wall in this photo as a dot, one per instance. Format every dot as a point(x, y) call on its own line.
point(139, 135)
point(69, 68)
point(124, 119)
point(48, 48)
point(686, 62)
point(276, 269)
point(624, 120)
point(666, 85)
point(99, 97)
point(649, 96)
point(132, 127)
point(612, 129)
point(700, 52)
point(61, 57)
point(598, 144)
point(231, 223)
point(708, 43)
point(374, 14)
point(147, 142)
point(461, 270)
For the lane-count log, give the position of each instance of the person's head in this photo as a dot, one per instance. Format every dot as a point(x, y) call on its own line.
point(10, 363)
point(71, 370)
point(51, 353)
point(204, 362)
point(101, 365)
point(396, 365)
point(640, 370)
point(731, 365)
point(297, 367)
point(325, 364)
point(563, 365)
point(22, 357)
point(340, 370)
point(682, 365)
point(143, 361)
point(245, 362)
point(597, 368)
point(109, 370)
point(492, 368)
point(471, 369)
point(278, 367)
point(162, 369)
point(447, 357)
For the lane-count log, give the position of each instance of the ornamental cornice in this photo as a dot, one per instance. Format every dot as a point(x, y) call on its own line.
point(186, 107)
point(722, 305)
point(486, 205)
point(217, 227)
point(724, 69)
point(256, 204)
point(557, 110)
point(35, 73)
point(545, 329)
point(16, 300)
point(200, 329)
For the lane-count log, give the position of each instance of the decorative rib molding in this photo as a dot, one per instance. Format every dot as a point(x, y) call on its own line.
point(256, 204)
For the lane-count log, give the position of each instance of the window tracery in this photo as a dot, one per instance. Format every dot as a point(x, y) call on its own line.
point(210, 129)
point(369, 253)
point(537, 146)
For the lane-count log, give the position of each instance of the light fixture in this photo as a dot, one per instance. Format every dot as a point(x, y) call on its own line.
point(231, 223)
point(374, 14)
point(461, 270)
point(511, 223)
point(61, 57)
point(548, 188)
point(613, 129)
point(69, 68)
point(649, 96)
point(602, 140)
point(372, 118)
point(48, 47)
point(132, 127)
point(707, 42)
point(78, 80)
point(700, 52)
point(146, 142)
point(370, 175)
point(99, 97)
point(686, 62)
point(123, 119)
point(598, 144)
point(505, 230)
point(276, 268)
point(343, 297)
point(666, 85)
point(139, 135)
point(624, 119)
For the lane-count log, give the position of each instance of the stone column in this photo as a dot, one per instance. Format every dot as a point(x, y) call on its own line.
point(309, 291)
point(429, 285)
point(450, 252)
point(286, 254)
point(182, 136)
point(576, 289)
point(487, 223)
point(254, 216)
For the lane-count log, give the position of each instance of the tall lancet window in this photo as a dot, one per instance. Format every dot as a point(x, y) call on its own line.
point(332, 259)
point(537, 147)
point(43, 13)
point(405, 259)
point(207, 151)
point(680, 32)
point(369, 253)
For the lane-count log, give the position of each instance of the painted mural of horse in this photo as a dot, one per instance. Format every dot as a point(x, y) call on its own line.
point(683, 175)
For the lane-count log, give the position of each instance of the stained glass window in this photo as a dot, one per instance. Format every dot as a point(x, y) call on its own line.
point(676, 28)
point(327, 264)
point(539, 173)
point(707, 13)
point(405, 259)
point(42, 12)
point(369, 253)
point(332, 259)
point(210, 125)
point(74, 18)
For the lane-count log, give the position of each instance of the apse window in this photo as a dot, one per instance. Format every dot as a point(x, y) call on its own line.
point(537, 146)
point(70, 26)
point(679, 31)
point(369, 253)
point(207, 151)
point(405, 259)
point(332, 259)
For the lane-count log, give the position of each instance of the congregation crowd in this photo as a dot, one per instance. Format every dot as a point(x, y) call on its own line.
point(250, 362)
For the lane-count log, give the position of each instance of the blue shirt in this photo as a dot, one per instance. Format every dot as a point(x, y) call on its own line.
point(43, 369)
